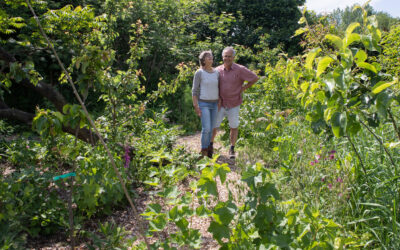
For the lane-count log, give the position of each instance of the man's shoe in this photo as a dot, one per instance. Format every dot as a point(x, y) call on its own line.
point(232, 153)
point(204, 152)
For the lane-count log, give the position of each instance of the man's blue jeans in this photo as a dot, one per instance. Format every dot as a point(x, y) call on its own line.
point(208, 120)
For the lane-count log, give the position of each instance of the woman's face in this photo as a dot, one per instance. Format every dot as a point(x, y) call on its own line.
point(208, 60)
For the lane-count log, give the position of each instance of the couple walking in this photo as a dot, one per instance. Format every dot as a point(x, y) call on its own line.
point(217, 93)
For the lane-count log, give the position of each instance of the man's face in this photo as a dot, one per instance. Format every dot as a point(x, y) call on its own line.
point(228, 57)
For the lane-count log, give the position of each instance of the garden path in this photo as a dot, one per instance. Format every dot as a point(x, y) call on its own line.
point(192, 144)
point(123, 219)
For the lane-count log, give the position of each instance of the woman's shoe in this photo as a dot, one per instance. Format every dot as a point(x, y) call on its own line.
point(210, 151)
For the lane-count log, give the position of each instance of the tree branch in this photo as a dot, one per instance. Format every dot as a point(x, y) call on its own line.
point(47, 91)
point(15, 114)
point(42, 88)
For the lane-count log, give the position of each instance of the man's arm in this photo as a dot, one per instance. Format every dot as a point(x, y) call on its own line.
point(249, 84)
point(249, 76)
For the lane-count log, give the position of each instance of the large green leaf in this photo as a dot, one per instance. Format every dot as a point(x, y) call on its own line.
point(330, 83)
point(323, 64)
point(347, 59)
point(351, 39)
point(382, 104)
point(219, 231)
point(379, 87)
point(155, 208)
point(328, 113)
point(367, 41)
point(339, 122)
point(367, 66)
point(268, 190)
point(182, 224)
point(225, 212)
point(361, 56)
point(209, 186)
point(339, 77)
point(353, 125)
point(173, 213)
point(310, 57)
point(222, 171)
point(300, 31)
point(158, 223)
point(351, 28)
point(335, 40)
point(265, 217)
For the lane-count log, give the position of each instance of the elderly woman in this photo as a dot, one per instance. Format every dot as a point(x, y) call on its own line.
point(205, 99)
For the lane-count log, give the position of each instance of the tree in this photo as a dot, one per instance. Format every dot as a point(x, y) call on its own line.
point(343, 18)
point(390, 57)
point(255, 18)
point(27, 63)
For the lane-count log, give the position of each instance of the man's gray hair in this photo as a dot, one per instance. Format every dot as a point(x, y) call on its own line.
point(229, 48)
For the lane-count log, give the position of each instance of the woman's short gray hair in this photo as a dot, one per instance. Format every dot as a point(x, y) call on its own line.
point(229, 48)
point(203, 55)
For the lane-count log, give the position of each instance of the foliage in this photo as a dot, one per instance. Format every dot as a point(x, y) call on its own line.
point(111, 237)
point(349, 94)
point(29, 207)
point(254, 19)
point(261, 219)
point(343, 18)
point(390, 57)
point(133, 64)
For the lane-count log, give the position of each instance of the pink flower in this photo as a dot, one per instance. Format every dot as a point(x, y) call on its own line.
point(323, 179)
point(330, 186)
point(312, 163)
point(340, 180)
point(340, 194)
point(316, 161)
point(317, 157)
point(27, 146)
point(331, 156)
point(127, 157)
point(332, 152)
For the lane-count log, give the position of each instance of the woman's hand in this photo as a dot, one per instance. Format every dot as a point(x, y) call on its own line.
point(197, 110)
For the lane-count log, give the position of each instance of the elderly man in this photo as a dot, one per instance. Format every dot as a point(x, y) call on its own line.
point(232, 78)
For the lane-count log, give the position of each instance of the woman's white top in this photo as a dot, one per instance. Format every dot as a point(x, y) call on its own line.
point(205, 85)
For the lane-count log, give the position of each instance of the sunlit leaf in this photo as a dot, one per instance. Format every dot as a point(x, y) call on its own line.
point(310, 57)
point(351, 39)
point(351, 28)
point(323, 64)
point(302, 20)
point(335, 40)
point(382, 86)
point(300, 31)
point(367, 66)
point(361, 56)
point(330, 83)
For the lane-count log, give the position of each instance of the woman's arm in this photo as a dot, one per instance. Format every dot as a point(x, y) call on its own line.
point(196, 92)
point(196, 105)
